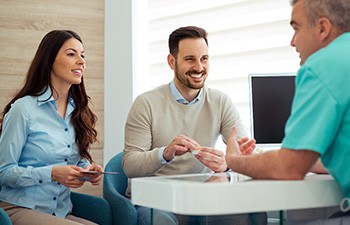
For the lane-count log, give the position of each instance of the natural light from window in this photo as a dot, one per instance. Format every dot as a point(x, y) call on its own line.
point(245, 36)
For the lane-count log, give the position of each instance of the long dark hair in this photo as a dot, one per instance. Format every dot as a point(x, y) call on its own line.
point(38, 80)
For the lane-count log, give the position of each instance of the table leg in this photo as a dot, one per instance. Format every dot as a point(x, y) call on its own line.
point(203, 220)
point(152, 216)
point(281, 217)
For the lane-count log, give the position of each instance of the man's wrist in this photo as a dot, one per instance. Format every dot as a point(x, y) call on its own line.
point(161, 157)
point(227, 170)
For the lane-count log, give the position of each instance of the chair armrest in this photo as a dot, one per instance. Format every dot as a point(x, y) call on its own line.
point(124, 212)
point(4, 218)
point(92, 208)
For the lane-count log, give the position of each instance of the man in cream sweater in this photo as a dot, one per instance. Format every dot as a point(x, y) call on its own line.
point(166, 125)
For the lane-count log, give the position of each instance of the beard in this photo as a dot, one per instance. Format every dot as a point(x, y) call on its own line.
point(186, 80)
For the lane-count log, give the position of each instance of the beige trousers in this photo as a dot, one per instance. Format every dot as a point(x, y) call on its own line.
point(25, 216)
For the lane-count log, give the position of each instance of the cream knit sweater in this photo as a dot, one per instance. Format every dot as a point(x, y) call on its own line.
point(156, 118)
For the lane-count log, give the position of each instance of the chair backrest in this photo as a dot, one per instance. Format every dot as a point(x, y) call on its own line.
point(4, 218)
point(120, 180)
point(114, 187)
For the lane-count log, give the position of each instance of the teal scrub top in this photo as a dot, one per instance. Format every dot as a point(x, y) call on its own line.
point(320, 117)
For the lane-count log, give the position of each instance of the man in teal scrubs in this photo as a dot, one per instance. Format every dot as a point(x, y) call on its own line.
point(319, 125)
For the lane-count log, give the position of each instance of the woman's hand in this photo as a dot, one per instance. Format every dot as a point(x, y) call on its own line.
point(69, 176)
point(95, 179)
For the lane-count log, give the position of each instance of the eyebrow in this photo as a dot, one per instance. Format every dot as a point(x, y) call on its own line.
point(74, 50)
point(193, 56)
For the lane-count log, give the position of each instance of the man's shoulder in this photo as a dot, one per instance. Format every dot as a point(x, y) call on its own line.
point(215, 93)
point(157, 93)
point(334, 52)
point(333, 57)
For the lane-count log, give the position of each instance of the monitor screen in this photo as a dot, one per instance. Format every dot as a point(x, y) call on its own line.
point(271, 97)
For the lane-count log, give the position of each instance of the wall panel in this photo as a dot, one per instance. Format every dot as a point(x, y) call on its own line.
point(23, 23)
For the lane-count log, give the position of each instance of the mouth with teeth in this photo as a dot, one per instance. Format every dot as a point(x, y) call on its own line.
point(195, 74)
point(78, 72)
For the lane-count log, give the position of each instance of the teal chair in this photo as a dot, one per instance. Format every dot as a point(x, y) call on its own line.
point(4, 218)
point(89, 207)
point(114, 187)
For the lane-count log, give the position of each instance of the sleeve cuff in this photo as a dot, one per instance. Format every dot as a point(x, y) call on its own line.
point(160, 156)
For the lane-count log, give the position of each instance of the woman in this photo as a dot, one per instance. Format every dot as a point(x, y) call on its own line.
point(45, 134)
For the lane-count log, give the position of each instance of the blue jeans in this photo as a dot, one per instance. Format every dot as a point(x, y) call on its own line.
point(166, 218)
point(159, 217)
point(332, 221)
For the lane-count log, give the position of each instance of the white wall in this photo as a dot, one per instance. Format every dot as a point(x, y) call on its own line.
point(118, 73)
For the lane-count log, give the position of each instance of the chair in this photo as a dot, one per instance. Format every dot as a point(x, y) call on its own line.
point(4, 218)
point(92, 208)
point(114, 187)
point(85, 206)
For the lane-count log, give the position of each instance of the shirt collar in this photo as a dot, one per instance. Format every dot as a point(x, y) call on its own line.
point(45, 98)
point(179, 98)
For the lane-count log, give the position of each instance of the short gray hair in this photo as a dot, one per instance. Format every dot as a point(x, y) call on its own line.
point(337, 11)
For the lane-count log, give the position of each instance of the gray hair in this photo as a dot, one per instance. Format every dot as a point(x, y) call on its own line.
point(337, 11)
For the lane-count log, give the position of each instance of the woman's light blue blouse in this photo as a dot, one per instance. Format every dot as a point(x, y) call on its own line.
point(34, 139)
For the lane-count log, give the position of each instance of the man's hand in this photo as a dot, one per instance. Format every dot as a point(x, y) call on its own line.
point(212, 158)
point(318, 167)
point(246, 146)
point(215, 159)
point(179, 146)
point(243, 146)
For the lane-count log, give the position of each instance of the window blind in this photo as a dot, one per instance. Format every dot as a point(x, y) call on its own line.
point(245, 36)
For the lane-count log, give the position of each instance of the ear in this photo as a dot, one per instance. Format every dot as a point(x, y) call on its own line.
point(324, 26)
point(171, 61)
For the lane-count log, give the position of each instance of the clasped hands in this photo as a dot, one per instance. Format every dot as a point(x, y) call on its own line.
point(212, 158)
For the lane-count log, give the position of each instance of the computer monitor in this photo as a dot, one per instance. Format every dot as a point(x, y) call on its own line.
point(271, 97)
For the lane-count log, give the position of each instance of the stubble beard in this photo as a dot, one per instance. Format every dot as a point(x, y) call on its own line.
point(186, 81)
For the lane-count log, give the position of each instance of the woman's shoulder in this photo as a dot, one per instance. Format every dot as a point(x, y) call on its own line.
point(24, 104)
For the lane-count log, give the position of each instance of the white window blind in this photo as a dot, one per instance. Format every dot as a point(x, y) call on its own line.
point(245, 36)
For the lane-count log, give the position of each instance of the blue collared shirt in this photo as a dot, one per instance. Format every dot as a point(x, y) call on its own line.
point(34, 139)
point(179, 98)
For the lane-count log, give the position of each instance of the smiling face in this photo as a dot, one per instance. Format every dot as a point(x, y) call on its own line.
point(68, 67)
point(191, 65)
point(306, 38)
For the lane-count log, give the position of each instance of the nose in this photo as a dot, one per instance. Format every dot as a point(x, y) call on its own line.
point(81, 61)
point(292, 42)
point(198, 66)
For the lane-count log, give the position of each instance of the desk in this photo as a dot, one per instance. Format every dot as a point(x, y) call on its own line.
point(199, 194)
